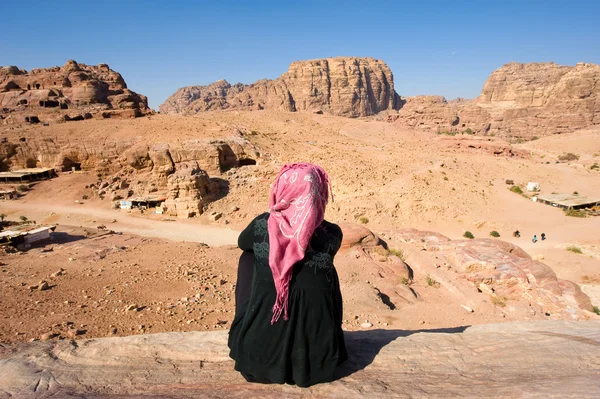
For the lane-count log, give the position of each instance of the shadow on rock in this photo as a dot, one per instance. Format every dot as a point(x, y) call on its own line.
point(363, 346)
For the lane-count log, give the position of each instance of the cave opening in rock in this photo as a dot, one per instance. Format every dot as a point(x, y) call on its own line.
point(31, 163)
point(64, 106)
point(23, 102)
point(246, 162)
point(37, 86)
point(70, 165)
point(12, 86)
point(49, 104)
point(28, 87)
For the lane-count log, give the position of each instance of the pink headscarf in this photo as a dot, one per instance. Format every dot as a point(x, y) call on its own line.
point(298, 199)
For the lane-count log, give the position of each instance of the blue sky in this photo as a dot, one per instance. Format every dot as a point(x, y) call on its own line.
point(433, 47)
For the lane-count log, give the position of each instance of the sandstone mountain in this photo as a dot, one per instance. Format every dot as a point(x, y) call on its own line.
point(520, 100)
point(71, 92)
point(345, 86)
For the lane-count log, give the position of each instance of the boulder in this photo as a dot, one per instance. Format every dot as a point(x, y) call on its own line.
point(357, 235)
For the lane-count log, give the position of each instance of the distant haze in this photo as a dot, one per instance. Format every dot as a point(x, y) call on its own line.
point(432, 47)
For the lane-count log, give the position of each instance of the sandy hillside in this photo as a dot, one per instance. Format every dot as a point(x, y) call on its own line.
point(383, 176)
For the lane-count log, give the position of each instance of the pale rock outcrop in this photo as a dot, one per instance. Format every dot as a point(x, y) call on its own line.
point(189, 190)
point(345, 86)
point(507, 271)
point(520, 359)
point(69, 92)
point(357, 235)
point(429, 112)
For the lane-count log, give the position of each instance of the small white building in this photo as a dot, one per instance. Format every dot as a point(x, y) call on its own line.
point(533, 186)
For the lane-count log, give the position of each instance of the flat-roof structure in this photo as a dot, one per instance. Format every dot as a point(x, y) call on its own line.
point(26, 236)
point(568, 201)
point(8, 194)
point(141, 202)
point(31, 174)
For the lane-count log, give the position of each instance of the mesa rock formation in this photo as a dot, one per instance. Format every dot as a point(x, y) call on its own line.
point(71, 92)
point(548, 358)
point(518, 100)
point(345, 86)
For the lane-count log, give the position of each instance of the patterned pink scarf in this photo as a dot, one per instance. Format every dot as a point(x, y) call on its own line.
point(298, 199)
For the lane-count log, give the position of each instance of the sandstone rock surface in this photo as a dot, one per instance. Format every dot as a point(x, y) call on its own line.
point(69, 92)
point(345, 86)
point(506, 272)
point(520, 100)
point(541, 359)
point(189, 190)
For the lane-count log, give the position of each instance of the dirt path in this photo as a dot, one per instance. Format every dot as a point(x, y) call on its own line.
point(88, 215)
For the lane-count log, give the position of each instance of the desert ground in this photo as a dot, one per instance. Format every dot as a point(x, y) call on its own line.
point(148, 273)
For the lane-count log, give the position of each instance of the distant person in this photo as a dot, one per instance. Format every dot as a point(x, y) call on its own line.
point(288, 320)
point(517, 234)
point(543, 236)
point(534, 239)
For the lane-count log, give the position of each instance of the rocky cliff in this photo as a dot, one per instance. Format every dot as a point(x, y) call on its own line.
point(68, 92)
point(345, 86)
point(520, 100)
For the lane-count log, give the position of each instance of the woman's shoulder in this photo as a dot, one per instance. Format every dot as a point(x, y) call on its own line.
point(262, 217)
point(332, 228)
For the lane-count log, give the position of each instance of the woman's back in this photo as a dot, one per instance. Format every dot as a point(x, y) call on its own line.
point(306, 348)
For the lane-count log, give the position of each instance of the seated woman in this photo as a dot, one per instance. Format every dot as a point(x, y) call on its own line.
point(288, 322)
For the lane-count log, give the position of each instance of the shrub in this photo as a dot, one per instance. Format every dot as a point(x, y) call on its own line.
point(597, 310)
point(364, 220)
point(494, 233)
point(595, 166)
point(431, 282)
point(24, 219)
point(446, 178)
point(516, 190)
point(535, 138)
point(499, 301)
point(405, 281)
point(468, 235)
point(574, 249)
point(519, 141)
point(22, 188)
point(576, 213)
point(569, 156)
point(469, 131)
point(575, 193)
point(397, 252)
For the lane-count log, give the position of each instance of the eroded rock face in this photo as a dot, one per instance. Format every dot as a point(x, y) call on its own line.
point(69, 92)
point(189, 190)
point(542, 359)
point(179, 170)
point(345, 86)
point(520, 100)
